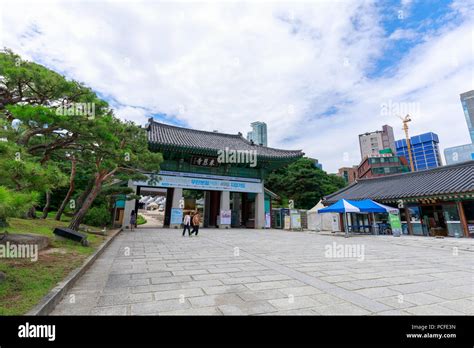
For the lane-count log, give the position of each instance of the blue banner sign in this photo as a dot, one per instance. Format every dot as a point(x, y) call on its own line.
point(204, 184)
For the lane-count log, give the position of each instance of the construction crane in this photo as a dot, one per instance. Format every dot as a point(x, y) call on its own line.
point(405, 121)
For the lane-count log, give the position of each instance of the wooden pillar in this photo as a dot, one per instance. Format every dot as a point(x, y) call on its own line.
point(271, 215)
point(463, 218)
point(168, 206)
point(214, 207)
point(408, 217)
point(207, 208)
point(245, 209)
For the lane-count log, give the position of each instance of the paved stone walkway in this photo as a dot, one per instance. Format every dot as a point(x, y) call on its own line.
point(275, 272)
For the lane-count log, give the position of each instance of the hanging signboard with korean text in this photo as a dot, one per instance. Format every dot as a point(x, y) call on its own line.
point(204, 161)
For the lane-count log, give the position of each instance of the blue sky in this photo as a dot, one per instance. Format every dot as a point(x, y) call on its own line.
point(419, 18)
point(317, 72)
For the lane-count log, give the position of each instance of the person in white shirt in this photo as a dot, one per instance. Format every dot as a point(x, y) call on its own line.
point(187, 224)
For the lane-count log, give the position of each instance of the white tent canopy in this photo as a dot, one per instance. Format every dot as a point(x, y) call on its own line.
point(322, 222)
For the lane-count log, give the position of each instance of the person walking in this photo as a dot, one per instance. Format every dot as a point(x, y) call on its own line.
point(187, 224)
point(196, 221)
point(133, 220)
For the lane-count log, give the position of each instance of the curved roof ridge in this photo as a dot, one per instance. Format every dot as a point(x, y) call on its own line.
point(184, 129)
point(445, 180)
point(418, 172)
point(174, 135)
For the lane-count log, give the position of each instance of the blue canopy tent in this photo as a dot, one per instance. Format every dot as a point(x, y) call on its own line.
point(369, 206)
point(345, 206)
point(342, 206)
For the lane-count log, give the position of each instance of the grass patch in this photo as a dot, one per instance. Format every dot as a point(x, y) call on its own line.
point(52, 215)
point(27, 282)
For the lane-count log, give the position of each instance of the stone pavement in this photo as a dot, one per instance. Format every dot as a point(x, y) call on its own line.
point(275, 272)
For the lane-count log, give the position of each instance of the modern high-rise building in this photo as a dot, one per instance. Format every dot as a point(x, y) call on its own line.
point(258, 134)
point(424, 150)
point(463, 153)
point(373, 142)
point(467, 102)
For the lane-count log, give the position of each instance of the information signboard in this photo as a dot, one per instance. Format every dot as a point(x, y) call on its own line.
point(287, 222)
point(395, 224)
point(267, 220)
point(295, 221)
point(225, 217)
point(176, 216)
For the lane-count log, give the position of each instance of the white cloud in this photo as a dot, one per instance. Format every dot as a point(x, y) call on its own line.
point(137, 115)
point(224, 65)
point(403, 34)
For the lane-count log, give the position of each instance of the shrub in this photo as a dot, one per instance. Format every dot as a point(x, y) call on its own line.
point(98, 216)
point(141, 220)
point(13, 204)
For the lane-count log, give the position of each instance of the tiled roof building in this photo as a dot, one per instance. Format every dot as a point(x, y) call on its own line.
point(162, 135)
point(437, 201)
point(447, 180)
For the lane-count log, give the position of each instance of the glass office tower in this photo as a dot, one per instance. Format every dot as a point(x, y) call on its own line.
point(259, 133)
point(463, 153)
point(424, 149)
point(467, 101)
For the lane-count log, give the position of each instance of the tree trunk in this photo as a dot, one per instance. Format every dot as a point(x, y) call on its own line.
point(47, 204)
point(31, 214)
point(69, 192)
point(83, 196)
point(79, 216)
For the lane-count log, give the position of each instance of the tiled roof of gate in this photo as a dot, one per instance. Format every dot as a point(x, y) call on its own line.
point(167, 135)
point(445, 180)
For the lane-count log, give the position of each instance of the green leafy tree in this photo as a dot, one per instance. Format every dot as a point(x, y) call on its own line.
point(22, 172)
point(119, 151)
point(12, 204)
point(303, 182)
point(28, 83)
point(43, 105)
point(35, 108)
